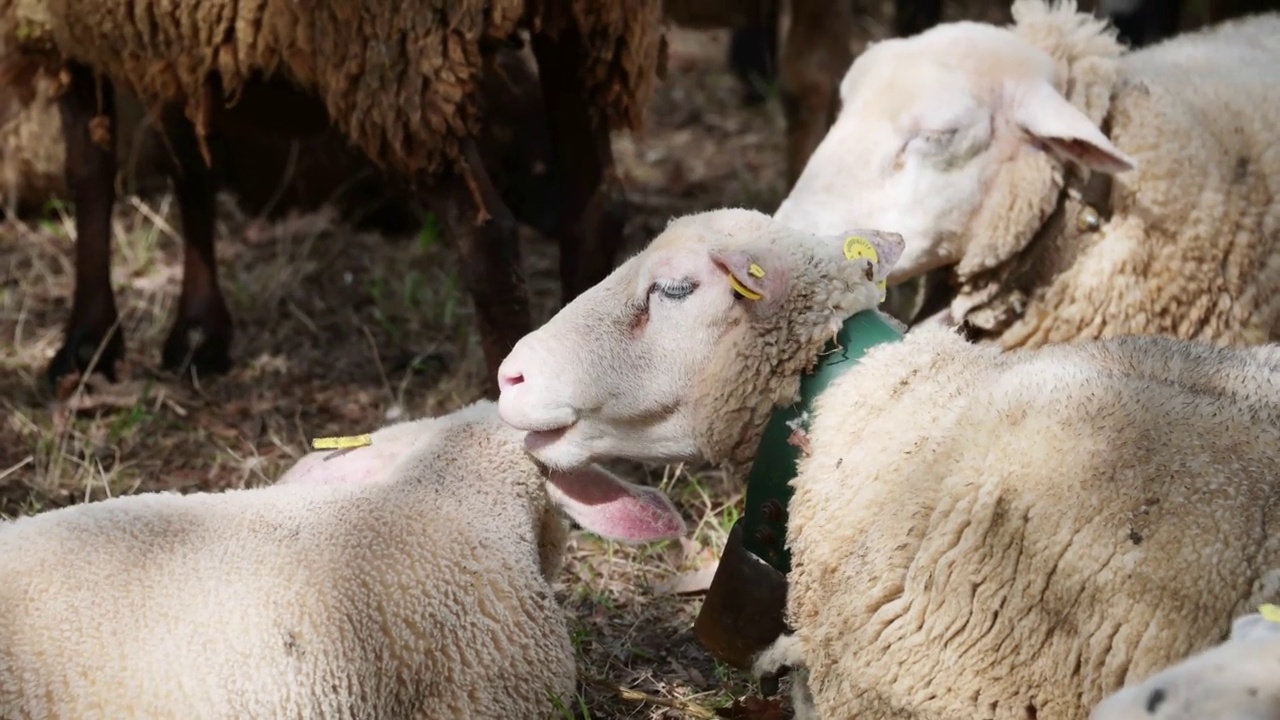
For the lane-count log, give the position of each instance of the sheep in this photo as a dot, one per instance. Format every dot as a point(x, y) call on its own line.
point(412, 580)
point(817, 49)
point(1235, 680)
point(268, 176)
point(1071, 189)
point(974, 533)
point(399, 80)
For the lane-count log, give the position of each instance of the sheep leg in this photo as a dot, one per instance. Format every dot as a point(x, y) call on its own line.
point(815, 57)
point(90, 168)
point(485, 234)
point(200, 337)
point(753, 51)
point(592, 206)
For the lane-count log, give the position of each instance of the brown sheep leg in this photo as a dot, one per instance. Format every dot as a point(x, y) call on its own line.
point(200, 337)
point(486, 237)
point(815, 57)
point(90, 169)
point(753, 50)
point(592, 206)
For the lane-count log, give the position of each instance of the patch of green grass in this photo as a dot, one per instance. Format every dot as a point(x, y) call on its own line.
point(429, 236)
point(568, 714)
point(128, 423)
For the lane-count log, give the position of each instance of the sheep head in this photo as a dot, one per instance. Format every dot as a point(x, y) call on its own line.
point(958, 138)
point(685, 350)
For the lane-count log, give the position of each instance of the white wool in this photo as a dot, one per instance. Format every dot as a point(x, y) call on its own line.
point(1066, 188)
point(409, 583)
point(975, 533)
point(1235, 680)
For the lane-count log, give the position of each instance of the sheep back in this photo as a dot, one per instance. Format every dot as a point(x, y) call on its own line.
point(977, 533)
point(391, 600)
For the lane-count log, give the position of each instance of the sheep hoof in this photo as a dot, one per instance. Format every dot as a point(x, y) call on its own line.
point(189, 347)
point(76, 354)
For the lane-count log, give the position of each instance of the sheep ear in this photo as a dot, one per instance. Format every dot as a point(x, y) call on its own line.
point(614, 508)
point(1047, 116)
point(751, 277)
point(883, 249)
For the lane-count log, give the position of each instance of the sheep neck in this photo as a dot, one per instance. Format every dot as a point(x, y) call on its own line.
point(744, 609)
point(769, 483)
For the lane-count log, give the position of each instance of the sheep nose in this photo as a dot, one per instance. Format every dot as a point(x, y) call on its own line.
point(510, 372)
point(531, 396)
point(509, 379)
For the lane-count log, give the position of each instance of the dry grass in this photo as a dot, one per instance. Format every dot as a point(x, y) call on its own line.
point(340, 332)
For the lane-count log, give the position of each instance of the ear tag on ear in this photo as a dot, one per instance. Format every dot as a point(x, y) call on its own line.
point(342, 442)
point(1270, 612)
point(857, 248)
point(743, 290)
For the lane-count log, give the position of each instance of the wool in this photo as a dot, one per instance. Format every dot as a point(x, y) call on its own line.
point(1185, 245)
point(409, 578)
point(974, 532)
point(399, 80)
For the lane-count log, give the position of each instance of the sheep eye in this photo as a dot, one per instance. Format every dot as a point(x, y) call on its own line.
point(937, 137)
point(932, 140)
point(674, 289)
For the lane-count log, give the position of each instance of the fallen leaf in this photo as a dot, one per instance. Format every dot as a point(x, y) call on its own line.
point(687, 583)
point(753, 708)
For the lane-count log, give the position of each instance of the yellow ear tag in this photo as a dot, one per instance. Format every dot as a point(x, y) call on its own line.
point(1270, 612)
point(742, 289)
point(857, 248)
point(342, 442)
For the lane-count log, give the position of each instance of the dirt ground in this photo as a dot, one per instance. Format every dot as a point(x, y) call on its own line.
point(340, 332)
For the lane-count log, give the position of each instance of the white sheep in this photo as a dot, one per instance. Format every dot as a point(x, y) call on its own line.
point(410, 583)
point(1236, 680)
point(976, 533)
point(1068, 188)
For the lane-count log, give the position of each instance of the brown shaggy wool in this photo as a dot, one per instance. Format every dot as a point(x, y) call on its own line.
point(400, 79)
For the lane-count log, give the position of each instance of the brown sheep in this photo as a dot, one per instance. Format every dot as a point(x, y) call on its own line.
point(400, 81)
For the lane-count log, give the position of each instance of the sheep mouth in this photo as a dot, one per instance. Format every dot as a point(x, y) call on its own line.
point(536, 440)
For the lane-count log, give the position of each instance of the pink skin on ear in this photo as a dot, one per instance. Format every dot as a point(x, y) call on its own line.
point(770, 282)
point(613, 508)
point(1047, 116)
point(889, 247)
